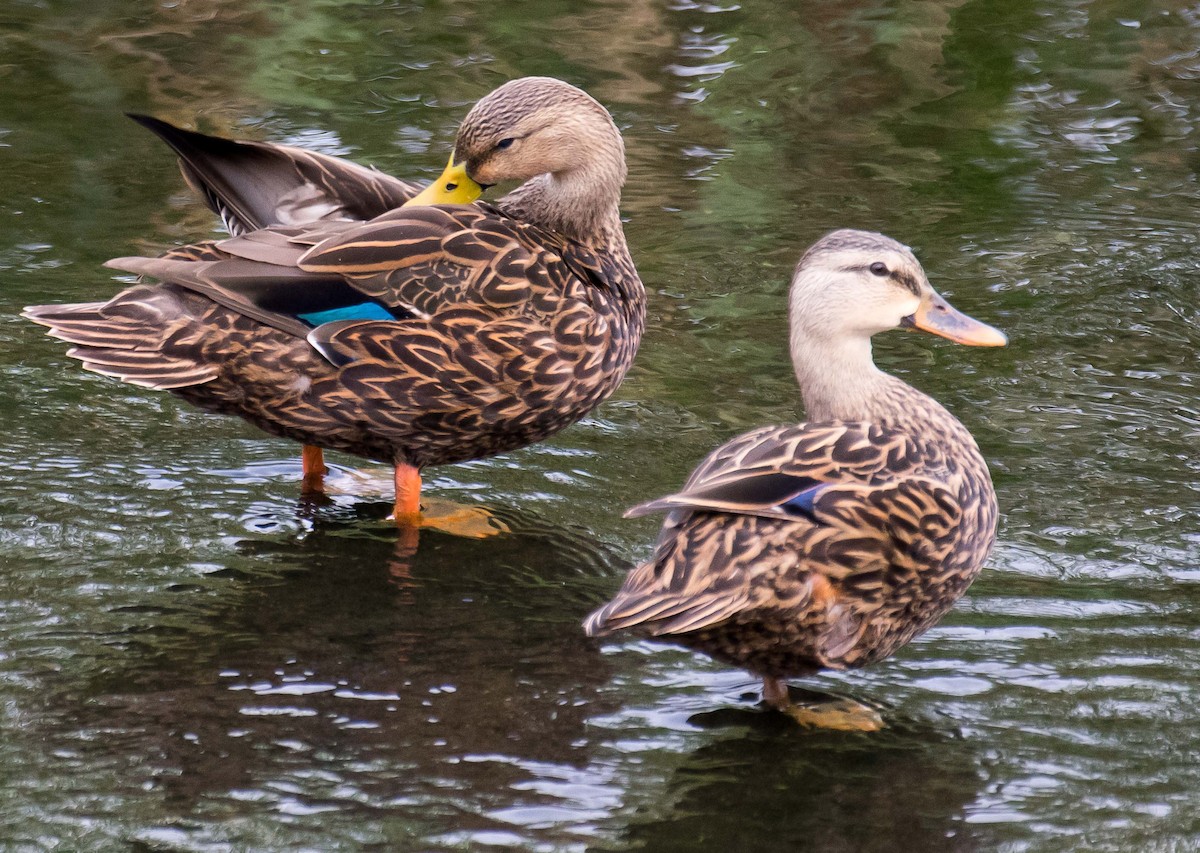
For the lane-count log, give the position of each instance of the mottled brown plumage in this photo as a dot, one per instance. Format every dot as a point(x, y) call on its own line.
point(469, 330)
point(831, 543)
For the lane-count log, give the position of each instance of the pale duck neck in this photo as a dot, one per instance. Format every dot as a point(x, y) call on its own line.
point(839, 380)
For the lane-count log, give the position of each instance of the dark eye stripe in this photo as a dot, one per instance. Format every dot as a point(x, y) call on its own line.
point(908, 281)
point(904, 279)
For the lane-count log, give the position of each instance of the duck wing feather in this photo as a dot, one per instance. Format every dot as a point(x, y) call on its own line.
point(837, 505)
point(253, 185)
point(419, 262)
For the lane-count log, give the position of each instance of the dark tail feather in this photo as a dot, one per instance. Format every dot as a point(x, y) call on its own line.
point(241, 182)
point(120, 339)
point(148, 369)
point(595, 625)
point(253, 185)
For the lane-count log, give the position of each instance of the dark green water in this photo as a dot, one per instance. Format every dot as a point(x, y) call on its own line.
point(192, 659)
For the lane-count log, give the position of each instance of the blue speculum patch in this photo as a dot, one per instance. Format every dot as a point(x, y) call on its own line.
point(802, 504)
point(362, 311)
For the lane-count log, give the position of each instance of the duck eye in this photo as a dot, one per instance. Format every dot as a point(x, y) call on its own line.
point(879, 268)
point(505, 143)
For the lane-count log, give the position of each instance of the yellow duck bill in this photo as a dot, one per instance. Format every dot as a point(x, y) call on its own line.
point(938, 317)
point(453, 186)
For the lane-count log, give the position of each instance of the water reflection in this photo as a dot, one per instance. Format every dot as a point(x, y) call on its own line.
point(904, 789)
point(187, 661)
point(446, 687)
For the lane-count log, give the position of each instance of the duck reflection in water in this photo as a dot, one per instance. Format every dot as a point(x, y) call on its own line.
point(437, 702)
point(906, 789)
point(474, 521)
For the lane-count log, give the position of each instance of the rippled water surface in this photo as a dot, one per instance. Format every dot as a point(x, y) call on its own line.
point(192, 658)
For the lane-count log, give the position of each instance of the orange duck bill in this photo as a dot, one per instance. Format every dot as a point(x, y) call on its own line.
point(938, 317)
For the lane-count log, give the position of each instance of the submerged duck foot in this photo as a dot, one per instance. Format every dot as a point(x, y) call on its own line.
point(842, 715)
point(413, 511)
point(465, 520)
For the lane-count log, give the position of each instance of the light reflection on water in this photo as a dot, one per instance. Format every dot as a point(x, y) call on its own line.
point(194, 658)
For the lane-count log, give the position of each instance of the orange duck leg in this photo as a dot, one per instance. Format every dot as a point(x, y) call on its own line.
point(313, 462)
point(407, 511)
